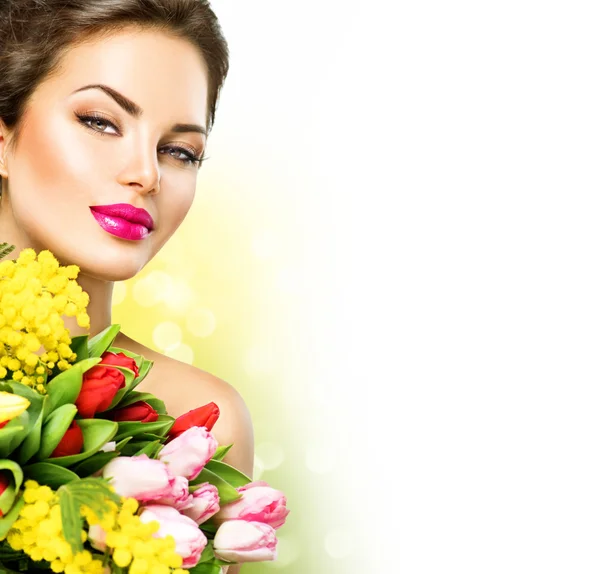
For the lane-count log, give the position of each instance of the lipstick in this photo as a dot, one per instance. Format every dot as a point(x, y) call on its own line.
point(123, 220)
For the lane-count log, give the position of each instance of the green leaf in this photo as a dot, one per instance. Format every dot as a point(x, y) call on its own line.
point(14, 433)
point(150, 436)
point(221, 452)
point(7, 521)
point(227, 472)
point(134, 447)
point(119, 446)
point(150, 449)
point(11, 440)
point(135, 396)
point(55, 428)
point(211, 567)
point(6, 249)
point(134, 428)
point(31, 444)
point(209, 528)
point(50, 474)
point(208, 553)
point(227, 493)
point(95, 463)
point(72, 521)
point(129, 376)
point(96, 433)
point(7, 498)
point(65, 388)
point(98, 344)
point(79, 345)
point(7, 554)
point(91, 492)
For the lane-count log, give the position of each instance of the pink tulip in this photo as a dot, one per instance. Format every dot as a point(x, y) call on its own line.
point(97, 537)
point(187, 454)
point(259, 503)
point(242, 541)
point(139, 477)
point(189, 539)
point(180, 496)
point(204, 503)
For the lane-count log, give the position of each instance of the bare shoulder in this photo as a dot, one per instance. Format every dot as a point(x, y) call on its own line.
point(184, 387)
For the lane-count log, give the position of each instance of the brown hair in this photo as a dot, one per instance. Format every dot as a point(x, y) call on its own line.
point(34, 34)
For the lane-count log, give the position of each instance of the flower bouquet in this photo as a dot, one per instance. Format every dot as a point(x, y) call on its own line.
point(95, 476)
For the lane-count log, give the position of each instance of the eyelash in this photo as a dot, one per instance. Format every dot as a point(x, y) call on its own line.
point(190, 158)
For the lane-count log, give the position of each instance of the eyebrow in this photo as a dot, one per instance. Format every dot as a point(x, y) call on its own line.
point(134, 110)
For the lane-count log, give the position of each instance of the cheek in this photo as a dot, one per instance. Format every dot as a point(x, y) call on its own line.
point(52, 163)
point(174, 203)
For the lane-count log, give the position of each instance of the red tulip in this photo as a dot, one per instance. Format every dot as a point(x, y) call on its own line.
point(138, 411)
point(205, 416)
point(119, 360)
point(100, 385)
point(4, 481)
point(4, 484)
point(71, 442)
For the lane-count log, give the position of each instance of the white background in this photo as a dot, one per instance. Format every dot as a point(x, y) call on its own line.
point(453, 153)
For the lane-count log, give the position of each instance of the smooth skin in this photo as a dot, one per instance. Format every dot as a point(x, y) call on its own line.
point(81, 146)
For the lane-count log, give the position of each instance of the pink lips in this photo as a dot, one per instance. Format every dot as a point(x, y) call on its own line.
point(123, 220)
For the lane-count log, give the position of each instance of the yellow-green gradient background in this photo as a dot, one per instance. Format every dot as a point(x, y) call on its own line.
point(245, 289)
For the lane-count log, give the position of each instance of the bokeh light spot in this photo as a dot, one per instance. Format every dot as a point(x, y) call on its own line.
point(181, 352)
point(166, 335)
point(119, 292)
point(201, 322)
point(178, 296)
point(151, 289)
point(271, 455)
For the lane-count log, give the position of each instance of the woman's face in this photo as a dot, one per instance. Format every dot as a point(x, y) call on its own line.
point(132, 141)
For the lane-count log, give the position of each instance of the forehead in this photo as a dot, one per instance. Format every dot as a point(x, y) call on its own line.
point(166, 76)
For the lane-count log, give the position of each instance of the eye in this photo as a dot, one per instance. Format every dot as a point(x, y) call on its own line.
point(97, 123)
point(183, 155)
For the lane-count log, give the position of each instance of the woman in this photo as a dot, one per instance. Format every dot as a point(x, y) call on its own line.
point(105, 108)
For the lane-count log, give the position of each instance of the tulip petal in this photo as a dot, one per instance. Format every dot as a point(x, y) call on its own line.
point(129, 378)
point(65, 387)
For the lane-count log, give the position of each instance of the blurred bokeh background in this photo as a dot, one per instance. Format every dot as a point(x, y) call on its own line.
point(245, 289)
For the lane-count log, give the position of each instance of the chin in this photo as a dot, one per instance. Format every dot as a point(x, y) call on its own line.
point(105, 260)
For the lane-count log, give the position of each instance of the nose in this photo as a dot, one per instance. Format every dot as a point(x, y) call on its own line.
point(141, 171)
